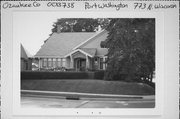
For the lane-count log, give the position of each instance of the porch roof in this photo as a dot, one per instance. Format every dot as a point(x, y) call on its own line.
point(87, 51)
point(24, 53)
point(91, 51)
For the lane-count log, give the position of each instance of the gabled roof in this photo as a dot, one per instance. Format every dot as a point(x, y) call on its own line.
point(87, 51)
point(24, 53)
point(94, 41)
point(60, 44)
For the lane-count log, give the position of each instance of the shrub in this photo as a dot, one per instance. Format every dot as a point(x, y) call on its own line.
point(152, 84)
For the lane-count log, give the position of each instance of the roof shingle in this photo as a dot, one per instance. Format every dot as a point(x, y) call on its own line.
point(90, 51)
point(60, 44)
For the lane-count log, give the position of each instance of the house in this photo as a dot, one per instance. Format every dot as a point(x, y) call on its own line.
point(26, 59)
point(73, 50)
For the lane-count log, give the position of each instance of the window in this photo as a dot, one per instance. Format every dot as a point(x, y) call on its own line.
point(54, 62)
point(105, 63)
point(45, 62)
point(59, 62)
point(101, 63)
point(63, 62)
point(49, 62)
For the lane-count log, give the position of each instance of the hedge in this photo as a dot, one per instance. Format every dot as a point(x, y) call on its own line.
point(99, 74)
point(61, 75)
point(53, 75)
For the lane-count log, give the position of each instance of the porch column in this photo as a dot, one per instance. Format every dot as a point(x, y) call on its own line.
point(72, 62)
point(87, 62)
point(47, 63)
point(39, 66)
point(52, 62)
point(41, 62)
point(56, 62)
point(104, 65)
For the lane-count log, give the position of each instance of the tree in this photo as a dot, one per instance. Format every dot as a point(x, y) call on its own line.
point(131, 49)
point(80, 24)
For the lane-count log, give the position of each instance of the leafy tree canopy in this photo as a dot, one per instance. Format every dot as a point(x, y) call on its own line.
point(131, 49)
point(80, 24)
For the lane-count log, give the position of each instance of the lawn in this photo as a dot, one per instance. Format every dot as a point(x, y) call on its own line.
point(88, 86)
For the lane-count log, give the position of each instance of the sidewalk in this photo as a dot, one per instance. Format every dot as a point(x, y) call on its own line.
point(78, 96)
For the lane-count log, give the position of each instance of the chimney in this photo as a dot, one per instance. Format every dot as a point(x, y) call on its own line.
point(59, 28)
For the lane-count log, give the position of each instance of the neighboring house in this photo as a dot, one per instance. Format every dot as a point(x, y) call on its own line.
point(34, 66)
point(26, 60)
point(73, 50)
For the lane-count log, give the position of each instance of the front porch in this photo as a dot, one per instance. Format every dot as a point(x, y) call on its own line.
point(79, 61)
point(84, 61)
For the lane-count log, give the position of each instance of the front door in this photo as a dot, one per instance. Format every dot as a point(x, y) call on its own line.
point(80, 64)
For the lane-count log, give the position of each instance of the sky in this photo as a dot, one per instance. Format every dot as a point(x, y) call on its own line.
point(31, 29)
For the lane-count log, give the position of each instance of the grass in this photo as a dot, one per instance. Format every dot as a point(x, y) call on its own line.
point(88, 86)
